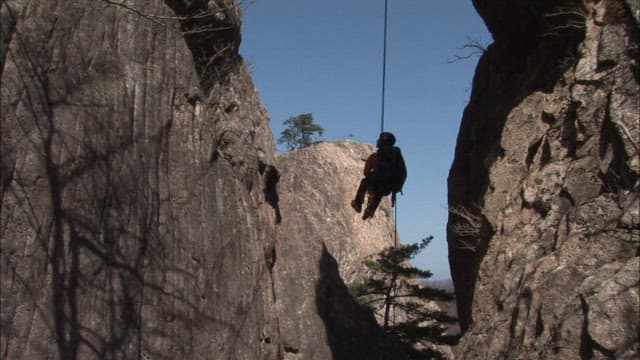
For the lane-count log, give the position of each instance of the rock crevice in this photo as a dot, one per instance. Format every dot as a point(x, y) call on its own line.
point(552, 143)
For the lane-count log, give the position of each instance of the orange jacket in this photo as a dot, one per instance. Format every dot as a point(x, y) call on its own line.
point(371, 164)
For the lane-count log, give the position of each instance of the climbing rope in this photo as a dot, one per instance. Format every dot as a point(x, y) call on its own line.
point(395, 225)
point(384, 64)
point(384, 86)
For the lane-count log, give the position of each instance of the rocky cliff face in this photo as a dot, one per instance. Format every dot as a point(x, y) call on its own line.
point(544, 230)
point(133, 221)
point(320, 241)
point(144, 212)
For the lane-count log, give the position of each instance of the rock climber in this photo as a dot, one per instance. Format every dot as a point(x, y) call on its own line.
point(384, 173)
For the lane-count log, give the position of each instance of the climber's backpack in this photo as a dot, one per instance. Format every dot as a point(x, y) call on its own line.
point(390, 171)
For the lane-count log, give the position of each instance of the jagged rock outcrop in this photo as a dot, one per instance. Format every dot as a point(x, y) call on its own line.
point(321, 240)
point(144, 212)
point(544, 230)
point(334, 168)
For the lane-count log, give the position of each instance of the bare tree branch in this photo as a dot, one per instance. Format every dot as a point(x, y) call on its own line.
point(568, 18)
point(468, 228)
point(473, 47)
point(161, 19)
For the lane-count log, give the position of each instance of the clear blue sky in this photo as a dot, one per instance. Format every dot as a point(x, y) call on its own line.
point(325, 58)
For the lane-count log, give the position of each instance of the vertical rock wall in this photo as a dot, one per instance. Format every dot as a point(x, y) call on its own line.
point(544, 230)
point(144, 213)
point(320, 246)
point(133, 219)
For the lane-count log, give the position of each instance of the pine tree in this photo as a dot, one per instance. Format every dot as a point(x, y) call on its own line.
point(393, 286)
point(299, 132)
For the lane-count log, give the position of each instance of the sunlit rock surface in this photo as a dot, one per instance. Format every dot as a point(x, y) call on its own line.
point(144, 212)
point(544, 227)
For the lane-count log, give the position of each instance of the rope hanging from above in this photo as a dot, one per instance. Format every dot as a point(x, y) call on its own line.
point(395, 225)
point(384, 64)
point(384, 83)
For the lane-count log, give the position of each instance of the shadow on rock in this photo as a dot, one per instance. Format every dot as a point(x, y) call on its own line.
point(352, 330)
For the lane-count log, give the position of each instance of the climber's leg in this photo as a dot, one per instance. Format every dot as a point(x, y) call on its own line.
point(372, 205)
point(356, 203)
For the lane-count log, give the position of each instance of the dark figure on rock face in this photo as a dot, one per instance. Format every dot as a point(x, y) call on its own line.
point(384, 174)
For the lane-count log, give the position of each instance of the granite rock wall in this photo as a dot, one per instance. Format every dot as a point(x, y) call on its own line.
point(544, 230)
